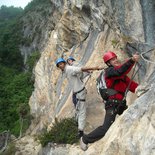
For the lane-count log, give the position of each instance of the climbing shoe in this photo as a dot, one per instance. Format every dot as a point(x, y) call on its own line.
point(83, 146)
point(80, 133)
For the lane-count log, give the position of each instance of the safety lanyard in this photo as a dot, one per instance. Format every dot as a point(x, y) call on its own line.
point(132, 77)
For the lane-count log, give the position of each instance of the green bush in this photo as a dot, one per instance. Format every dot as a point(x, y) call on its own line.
point(16, 89)
point(10, 40)
point(8, 13)
point(24, 112)
point(32, 60)
point(115, 42)
point(63, 132)
point(36, 4)
point(16, 85)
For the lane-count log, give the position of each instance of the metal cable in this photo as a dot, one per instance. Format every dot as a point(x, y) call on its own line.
point(145, 58)
point(144, 52)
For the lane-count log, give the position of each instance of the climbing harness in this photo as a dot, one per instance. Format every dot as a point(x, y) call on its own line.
point(102, 88)
point(123, 102)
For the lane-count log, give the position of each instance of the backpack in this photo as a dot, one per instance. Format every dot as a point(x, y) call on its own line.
point(102, 88)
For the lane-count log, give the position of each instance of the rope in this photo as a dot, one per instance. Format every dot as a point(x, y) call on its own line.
point(89, 76)
point(132, 77)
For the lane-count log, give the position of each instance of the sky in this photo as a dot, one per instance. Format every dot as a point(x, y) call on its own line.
point(16, 3)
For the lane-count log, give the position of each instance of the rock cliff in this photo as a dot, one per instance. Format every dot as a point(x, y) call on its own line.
point(86, 29)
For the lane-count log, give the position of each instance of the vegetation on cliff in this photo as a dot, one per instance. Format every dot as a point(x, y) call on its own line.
point(16, 83)
point(62, 132)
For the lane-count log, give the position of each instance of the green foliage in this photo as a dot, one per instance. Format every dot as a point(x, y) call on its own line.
point(15, 86)
point(24, 112)
point(35, 4)
point(26, 41)
point(7, 13)
point(126, 38)
point(10, 38)
point(62, 132)
point(32, 60)
point(16, 89)
point(115, 42)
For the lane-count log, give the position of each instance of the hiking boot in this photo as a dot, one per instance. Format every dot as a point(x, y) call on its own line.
point(80, 134)
point(83, 146)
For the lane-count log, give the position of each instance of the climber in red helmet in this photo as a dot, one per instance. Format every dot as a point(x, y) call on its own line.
point(116, 78)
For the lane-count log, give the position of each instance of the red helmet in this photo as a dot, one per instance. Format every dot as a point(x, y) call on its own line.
point(109, 55)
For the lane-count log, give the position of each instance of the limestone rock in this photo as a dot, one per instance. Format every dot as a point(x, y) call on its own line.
point(85, 30)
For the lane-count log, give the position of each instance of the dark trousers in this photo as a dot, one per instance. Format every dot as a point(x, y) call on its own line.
point(99, 132)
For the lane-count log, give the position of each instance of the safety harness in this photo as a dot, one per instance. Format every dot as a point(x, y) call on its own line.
point(123, 102)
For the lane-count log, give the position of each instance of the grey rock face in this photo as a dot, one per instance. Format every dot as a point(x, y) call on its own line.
point(148, 20)
point(85, 30)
